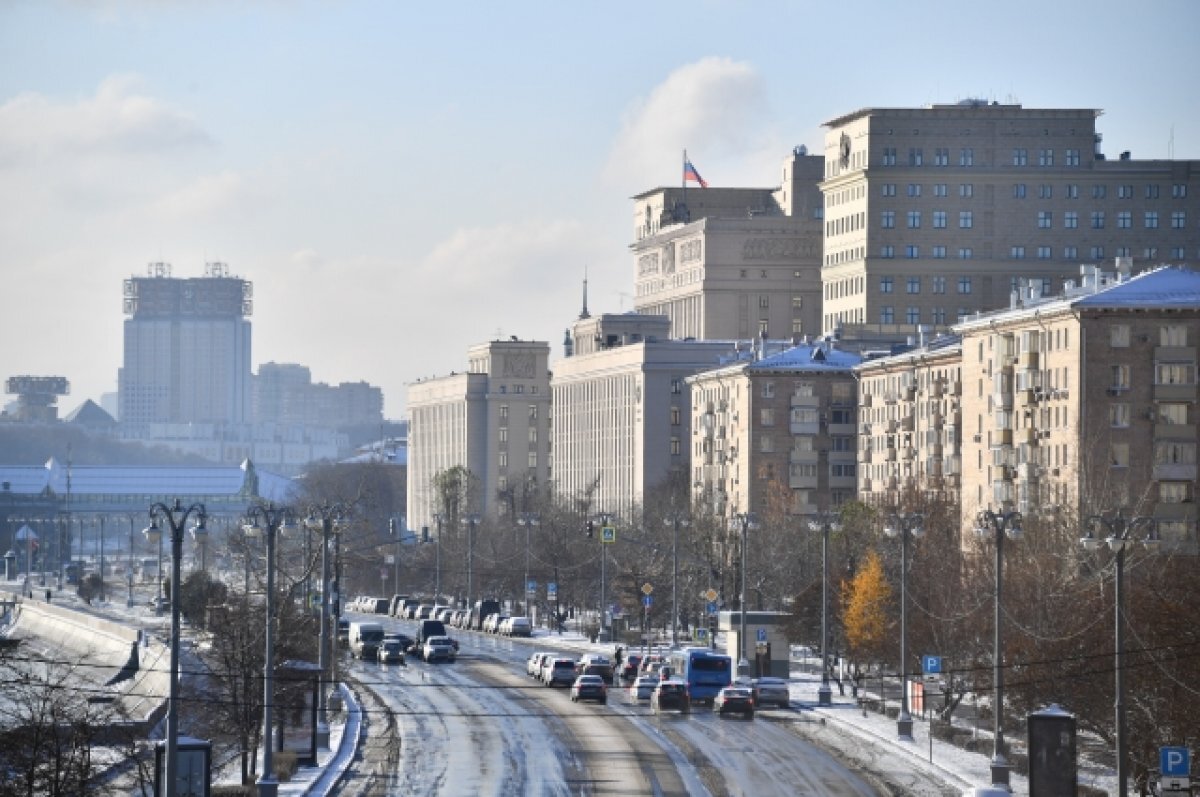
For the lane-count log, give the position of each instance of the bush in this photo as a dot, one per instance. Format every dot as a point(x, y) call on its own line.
point(89, 587)
point(285, 765)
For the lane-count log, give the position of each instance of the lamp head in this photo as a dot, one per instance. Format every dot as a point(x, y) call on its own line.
point(1089, 541)
point(313, 522)
point(1015, 530)
point(1152, 541)
point(251, 527)
point(200, 531)
point(153, 532)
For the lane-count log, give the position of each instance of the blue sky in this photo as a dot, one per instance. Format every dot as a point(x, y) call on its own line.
point(402, 180)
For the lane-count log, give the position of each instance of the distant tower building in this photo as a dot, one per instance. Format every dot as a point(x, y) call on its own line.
point(187, 348)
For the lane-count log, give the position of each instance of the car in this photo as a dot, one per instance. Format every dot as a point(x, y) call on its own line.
point(533, 665)
point(391, 651)
point(771, 692)
point(343, 631)
point(558, 671)
point(643, 687)
point(520, 626)
point(589, 687)
point(651, 663)
point(671, 694)
point(424, 611)
point(629, 667)
point(735, 700)
point(438, 648)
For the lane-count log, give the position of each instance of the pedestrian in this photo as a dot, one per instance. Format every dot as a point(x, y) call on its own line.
point(47, 596)
point(617, 657)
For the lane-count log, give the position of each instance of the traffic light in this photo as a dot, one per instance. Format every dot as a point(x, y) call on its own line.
point(392, 526)
point(591, 529)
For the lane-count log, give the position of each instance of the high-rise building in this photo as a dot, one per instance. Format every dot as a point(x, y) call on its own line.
point(934, 213)
point(493, 421)
point(284, 394)
point(186, 349)
point(733, 263)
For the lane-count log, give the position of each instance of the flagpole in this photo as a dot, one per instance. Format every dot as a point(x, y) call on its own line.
point(683, 174)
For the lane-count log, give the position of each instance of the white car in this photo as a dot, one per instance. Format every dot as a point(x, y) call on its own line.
point(438, 648)
point(643, 687)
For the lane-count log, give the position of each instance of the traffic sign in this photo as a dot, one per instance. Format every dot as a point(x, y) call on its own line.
point(552, 590)
point(1174, 762)
point(647, 588)
point(608, 534)
point(531, 588)
point(761, 635)
point(647, 601)
point(931, 665)
point(712, 608)
point(701, 634)
point(710, 594)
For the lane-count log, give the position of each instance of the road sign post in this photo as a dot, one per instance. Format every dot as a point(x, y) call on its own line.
point(1175, 767)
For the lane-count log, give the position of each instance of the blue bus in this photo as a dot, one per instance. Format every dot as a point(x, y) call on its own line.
point(705, 672)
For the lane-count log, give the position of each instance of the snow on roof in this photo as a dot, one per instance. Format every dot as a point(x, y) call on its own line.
point(1167, 287)
point(809, 357)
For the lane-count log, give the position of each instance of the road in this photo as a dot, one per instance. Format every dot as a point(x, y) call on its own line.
point(481, 726)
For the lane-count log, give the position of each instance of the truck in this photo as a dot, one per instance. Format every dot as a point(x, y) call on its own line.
point(427, 629)
point(480, 612)
point(365, 639)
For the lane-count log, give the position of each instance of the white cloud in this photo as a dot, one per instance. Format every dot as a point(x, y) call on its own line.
point(204, 196)
point(716, 108)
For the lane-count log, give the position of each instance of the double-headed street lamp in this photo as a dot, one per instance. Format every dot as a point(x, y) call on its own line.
point(904, 525)
point(528, 520)
point(267, 520)
point(995, 526)
point(1120, 538)
point(746, 522)
point(675, 520)
point(326, 518)
point(175, 517)
point(471, 522)
point(438, 517)
point(825, 522)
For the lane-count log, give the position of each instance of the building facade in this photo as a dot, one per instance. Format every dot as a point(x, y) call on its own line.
point(732, 263)
point(493, 420)
point(932, 214)
point(776, 434)
point(186, 349)
point(285, 395)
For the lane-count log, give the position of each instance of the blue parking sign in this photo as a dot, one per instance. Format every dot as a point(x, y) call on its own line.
point(647, 600)
point(931, 665)
point(1174, 762)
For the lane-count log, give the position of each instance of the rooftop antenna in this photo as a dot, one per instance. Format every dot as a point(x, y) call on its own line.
point(584, 313)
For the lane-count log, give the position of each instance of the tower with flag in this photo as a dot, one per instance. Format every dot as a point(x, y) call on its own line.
point(690, 173)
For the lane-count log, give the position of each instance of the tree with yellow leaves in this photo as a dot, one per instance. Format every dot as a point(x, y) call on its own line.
point(864, 600)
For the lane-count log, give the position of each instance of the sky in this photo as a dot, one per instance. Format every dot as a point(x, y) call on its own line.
point(401, 181)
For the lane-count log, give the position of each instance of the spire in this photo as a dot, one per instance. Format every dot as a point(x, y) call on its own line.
point(584, 313)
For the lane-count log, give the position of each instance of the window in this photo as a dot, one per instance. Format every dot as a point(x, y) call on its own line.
point(503, 434)
point(1097, 219)
point(1173, 414)
point(1124, 220)
point(912, 315)
point(1151, 219)
point(1177, 253)
point(1018, 190)
point(1119, 455)
point(533, 434)
point(1099, 191)
point(966, 157)
point(939, 252)
point(1045, 219)
point(1179, 191)
point(675, 448)
point(1072, 191)
point(939, 189)
point(1172, 335)
point(1020, 157)
point(889, 189)
point(1118, 336)
point(1178, 219)
point(1017, 252)
point(941, 156)
point(888, 219)
point(964, 285)
point(914, 189)
point(766, 416)
point(502, 459)
point(1045, 191)
point(674, 416)
point(1124, 192)
point(965, 253)
point(1045, 157)
point(768, 390)
point(1118, 415)
point(939, 284)
point(913, 285)
point(1097, 252)
point(1045, 253)
point(533, 459)
point(966, 219)
point(938, 316)
point(519, 388)
point(766, 443)
point(939, 219)
point(889, 156)
point(1071, 157)
point(1174, 374)
point(912, 252)
point(887, 251)
point(966, 190)
point(503, 413)
point(887, 315)
point(676, 386)
point(841, 443)
point(764, 302)
point(1172, 492)
point(1071, 252)
point(914, 219)
point(533, 412)
point(885, 284)
point(915, 158)
point(1174, 452)
point(1151, 191)
point(1150, 253)
point(1071, 220)
point(1119, 375)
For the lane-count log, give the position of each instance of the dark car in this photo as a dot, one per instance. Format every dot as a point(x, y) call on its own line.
point(735, 700)
point(589, 687)
point(629, 667)
point(671, 694)
point(343, 632)
point(771, 692)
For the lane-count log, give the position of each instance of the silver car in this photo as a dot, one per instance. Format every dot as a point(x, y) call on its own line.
point(771, 692)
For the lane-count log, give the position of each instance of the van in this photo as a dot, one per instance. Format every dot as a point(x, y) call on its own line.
point(397, 602)
point(365, 639)
point(429, 628)
point(481, 611)
point(519, 626)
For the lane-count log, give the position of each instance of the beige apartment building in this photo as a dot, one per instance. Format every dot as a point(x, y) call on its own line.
point(733, 263)
point(932, 214)
point(493, 419)
point(909, 422)
point(777, 434)
point(1087, 402)
point(622, 419)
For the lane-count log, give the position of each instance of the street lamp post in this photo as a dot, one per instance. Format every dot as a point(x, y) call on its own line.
point(129, 567)
point(605, 519)
point(437, 569)
point(903, 526)
point(471, 522)
point(175, 517)
point(825, 522)
point(269, 521)
point(528, 520)
point(746, 521)
point(1120, 539)
point(326, 518)
point(675, 521)
point(995, 526)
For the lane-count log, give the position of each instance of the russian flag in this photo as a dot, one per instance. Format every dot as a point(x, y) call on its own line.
point(690, 173)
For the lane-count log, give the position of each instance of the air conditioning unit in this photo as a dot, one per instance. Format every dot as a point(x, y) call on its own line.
point(1054, 472)
point(977, 438)
point(1151, 414)
point(1046, 433)
point(1144, 338)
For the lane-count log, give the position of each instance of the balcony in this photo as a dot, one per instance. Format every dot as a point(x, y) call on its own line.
point(1180, 511)
point(803, 457)
point(1028, 361)
point(1002, 437)
point(1174, 431)
point(1028, 471)
point(1175, 392)
point(1002, 400)
point(1028, 435)
point(1175, 354)
point(1175, 472)
point(865, 400)
point(907, 423)
point(806, 401)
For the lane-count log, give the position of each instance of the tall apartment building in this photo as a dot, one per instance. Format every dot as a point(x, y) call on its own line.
point(622, 418)
point(909, 423)
point(493, 420)
point(733, 263)
point(186, 348)
point(285, 394)
point(932, 214)
point(776, 434)
point(1087, 402)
